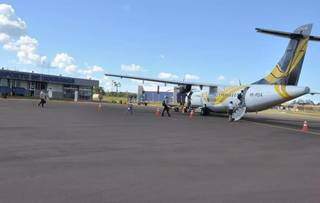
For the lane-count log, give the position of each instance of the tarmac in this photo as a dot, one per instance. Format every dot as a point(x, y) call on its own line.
point(69, 152)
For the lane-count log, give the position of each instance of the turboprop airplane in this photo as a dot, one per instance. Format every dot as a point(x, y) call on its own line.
point(276, 88)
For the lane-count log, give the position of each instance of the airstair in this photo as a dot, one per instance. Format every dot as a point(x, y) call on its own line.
point(241, 109)
point(239, 112)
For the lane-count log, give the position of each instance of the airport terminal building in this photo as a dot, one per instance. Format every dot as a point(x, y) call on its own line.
point(18, 83)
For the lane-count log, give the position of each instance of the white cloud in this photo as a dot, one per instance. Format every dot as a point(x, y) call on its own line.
point(162, 56)
point(65, 62)
point(221, 78)
point(164, 75)
point(97, 69)
point(10, 23)
point(232, 82)
point(140, 82)
point(26, 50)
point(91, 70)
point(191, 77)
point(71, 68)
point(4, 38)
point(106, 83)
point(13, 37)
point(6, 10)
point(131, 68)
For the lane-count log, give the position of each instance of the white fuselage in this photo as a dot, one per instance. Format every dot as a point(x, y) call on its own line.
point(256, 97)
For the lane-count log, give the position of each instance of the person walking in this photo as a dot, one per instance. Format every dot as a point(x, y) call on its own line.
point(241, 97)
point(130, 106)
point(189, 98)
point(230, 110)
point(42, 98)
point(165, 106)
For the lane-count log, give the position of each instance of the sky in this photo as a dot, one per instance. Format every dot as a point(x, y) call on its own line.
point(204, 40)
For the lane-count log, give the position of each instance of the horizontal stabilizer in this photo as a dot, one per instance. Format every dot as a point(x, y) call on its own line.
point(314, 38)
point(290, 35)
point(297, 34)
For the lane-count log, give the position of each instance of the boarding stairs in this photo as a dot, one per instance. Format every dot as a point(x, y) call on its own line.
point(241, 109)
point(239, 112)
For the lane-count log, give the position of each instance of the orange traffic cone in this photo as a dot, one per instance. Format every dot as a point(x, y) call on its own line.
point(305, 127)
point(158, 112)
point(191, 113)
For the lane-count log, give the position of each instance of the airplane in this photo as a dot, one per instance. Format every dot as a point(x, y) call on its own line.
point(276, 88)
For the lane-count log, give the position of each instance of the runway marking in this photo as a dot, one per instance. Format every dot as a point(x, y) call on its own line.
point(286, 128)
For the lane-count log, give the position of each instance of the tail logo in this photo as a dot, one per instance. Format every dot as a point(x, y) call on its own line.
point(282, 92)
point(278, 74)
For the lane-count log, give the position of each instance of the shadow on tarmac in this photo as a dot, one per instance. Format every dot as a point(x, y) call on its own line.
point(288, 123)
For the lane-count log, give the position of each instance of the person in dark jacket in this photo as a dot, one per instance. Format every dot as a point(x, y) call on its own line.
point(241, 97)
point(230, 110)
point(165, 106)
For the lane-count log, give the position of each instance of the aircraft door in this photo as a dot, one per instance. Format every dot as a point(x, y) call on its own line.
point(213, 92)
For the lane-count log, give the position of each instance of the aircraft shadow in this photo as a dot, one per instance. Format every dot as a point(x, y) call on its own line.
point(289, 123)
point(296, 124)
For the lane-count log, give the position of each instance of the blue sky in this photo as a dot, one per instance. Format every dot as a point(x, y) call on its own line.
point(212, 41)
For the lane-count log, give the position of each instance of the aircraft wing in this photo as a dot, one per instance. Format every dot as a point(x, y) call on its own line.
point(314, 93)
point(175, 82)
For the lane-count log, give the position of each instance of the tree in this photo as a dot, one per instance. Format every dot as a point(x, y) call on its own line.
point(99, 90)
point(117, 85)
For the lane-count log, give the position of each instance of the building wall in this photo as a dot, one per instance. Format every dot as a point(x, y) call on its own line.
point(55, 87)
point(57, 90)
point(30, 84)
point(24, 84)
point(3, 82)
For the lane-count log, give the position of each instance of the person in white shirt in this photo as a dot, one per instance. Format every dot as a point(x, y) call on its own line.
point(42, 98)
point(230, 110)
